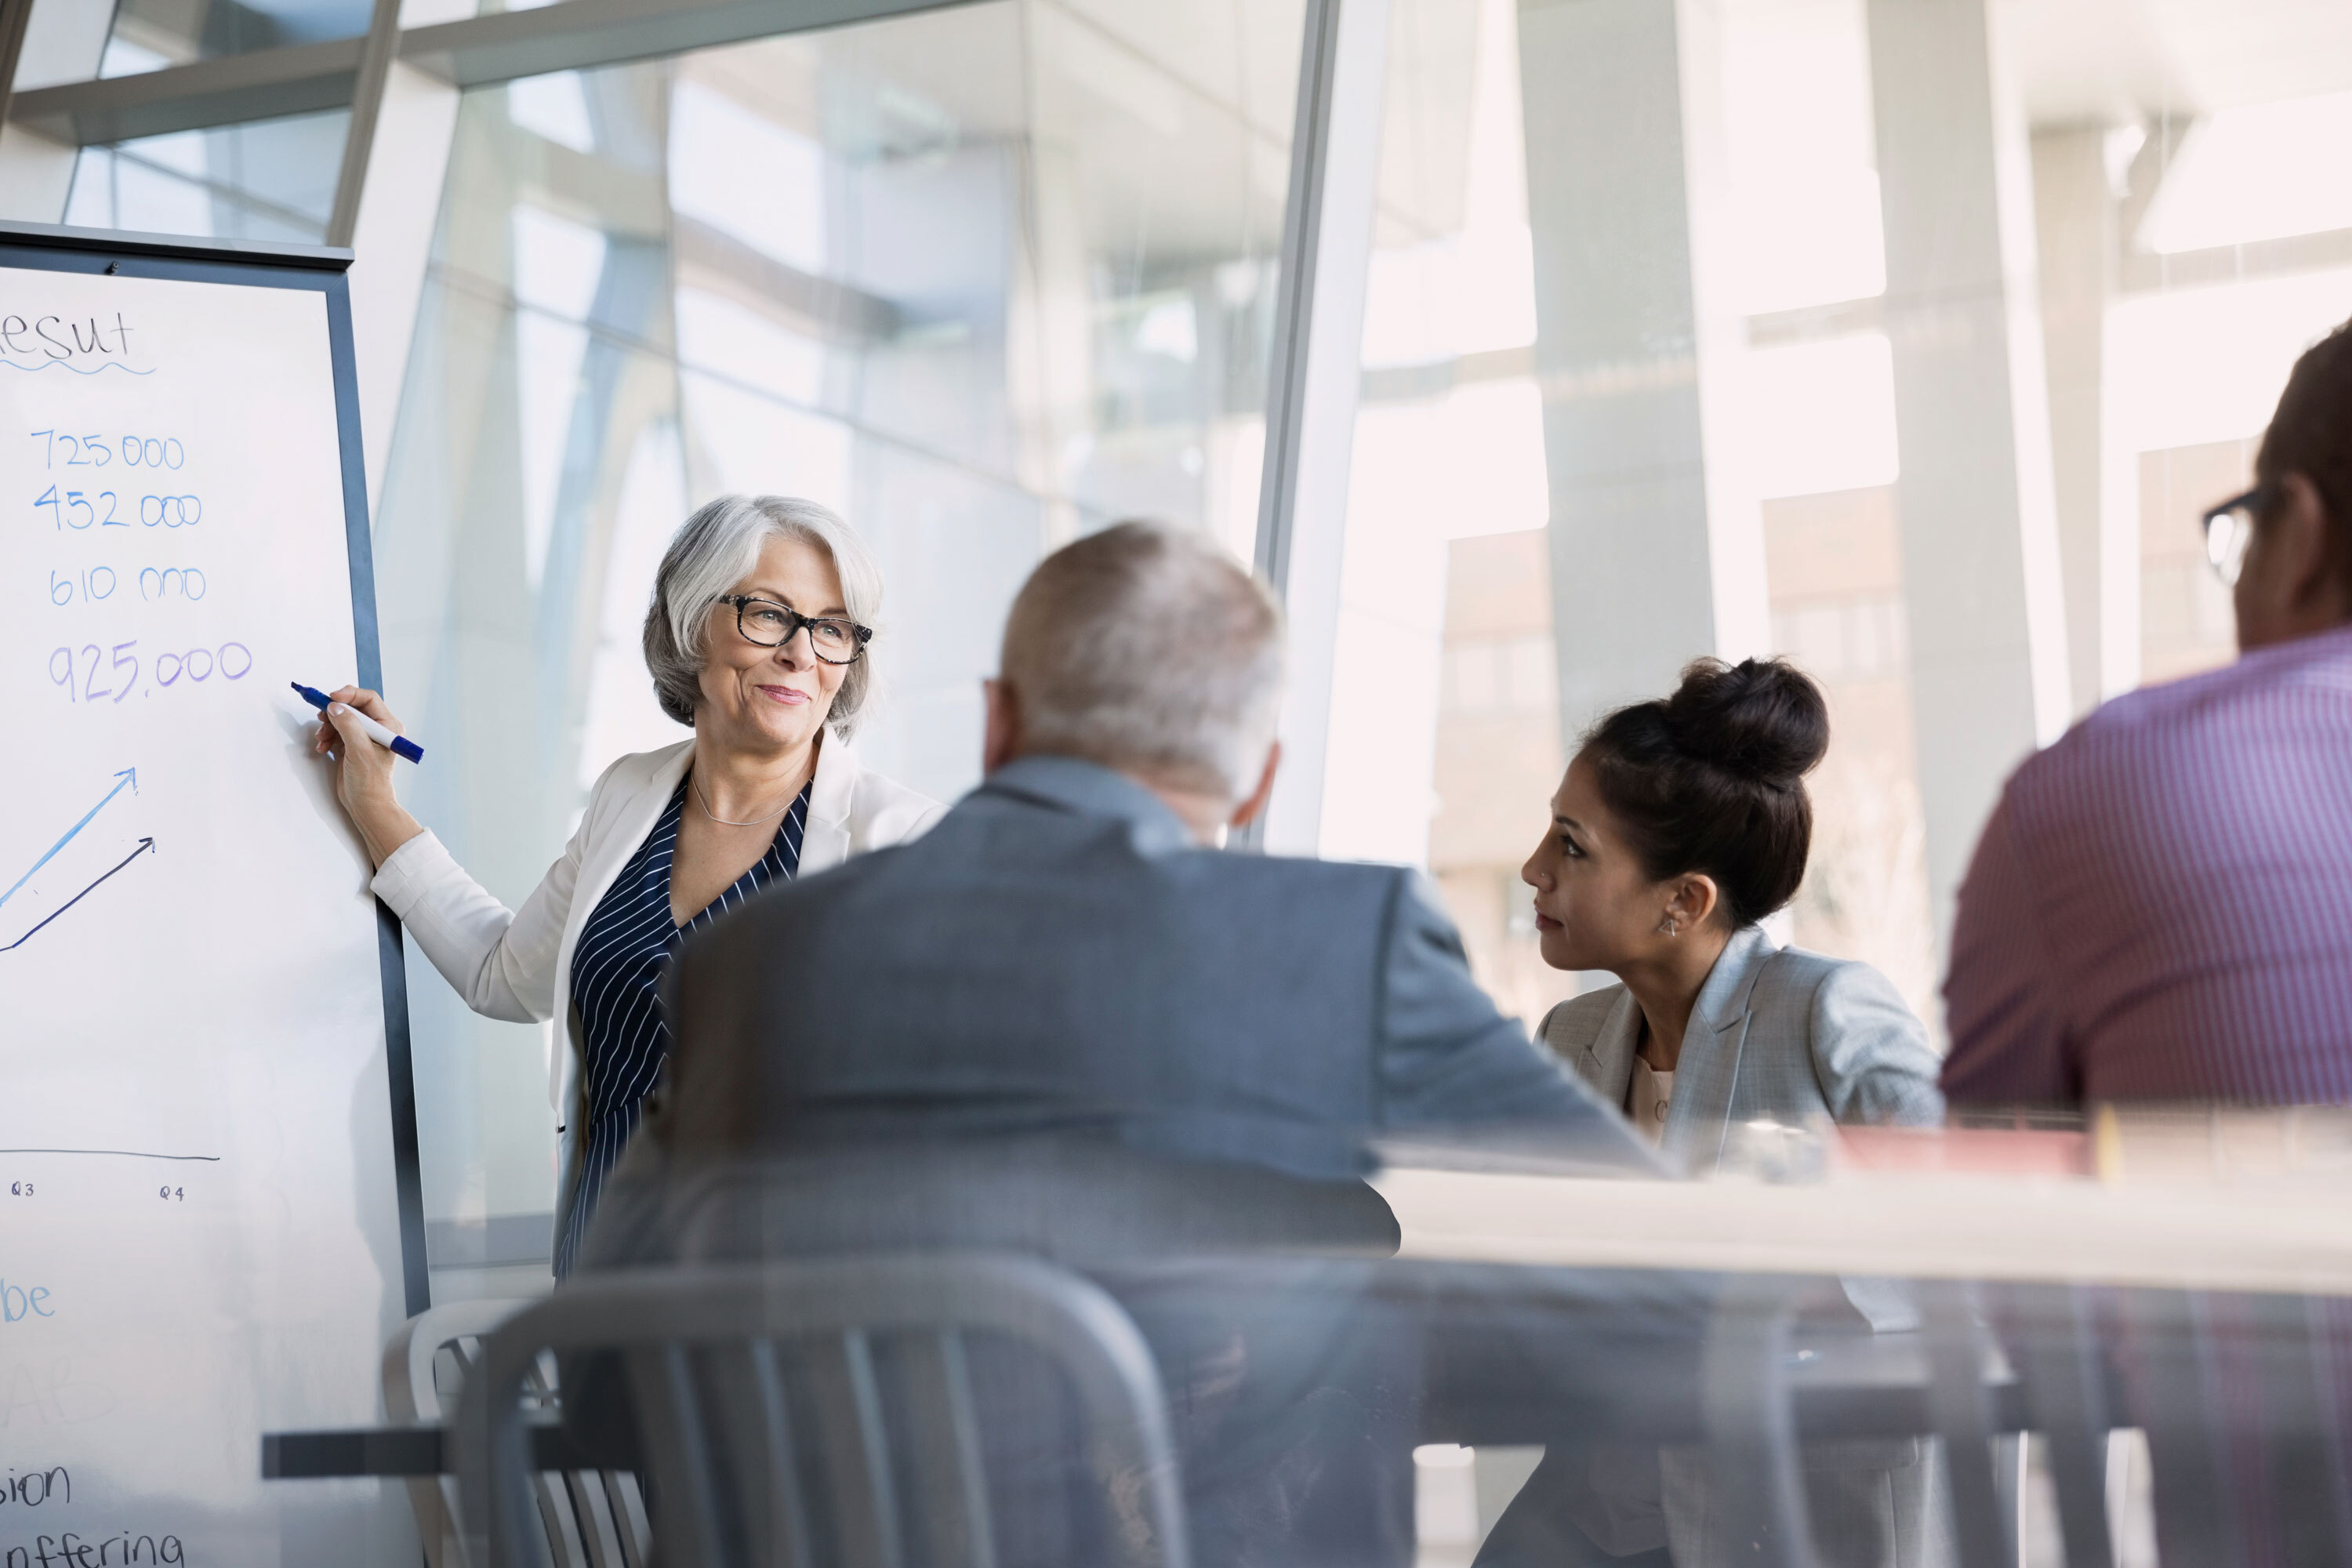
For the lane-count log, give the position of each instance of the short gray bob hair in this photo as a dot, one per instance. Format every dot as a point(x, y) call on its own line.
point(710, 554)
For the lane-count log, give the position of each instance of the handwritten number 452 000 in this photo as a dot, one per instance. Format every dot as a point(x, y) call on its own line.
point(79, 509)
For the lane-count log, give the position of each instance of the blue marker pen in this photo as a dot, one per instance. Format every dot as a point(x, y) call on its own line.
point(399, 745)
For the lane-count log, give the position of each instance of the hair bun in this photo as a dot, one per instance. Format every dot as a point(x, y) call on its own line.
point(1760, 718)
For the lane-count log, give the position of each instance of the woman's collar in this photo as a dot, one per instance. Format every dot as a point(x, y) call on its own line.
point(836, 785)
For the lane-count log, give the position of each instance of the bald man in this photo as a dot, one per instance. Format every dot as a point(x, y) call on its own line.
point(1065, 1023)
point(1155, 1043)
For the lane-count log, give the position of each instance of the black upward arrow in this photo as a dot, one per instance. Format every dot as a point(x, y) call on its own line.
point(144, 846)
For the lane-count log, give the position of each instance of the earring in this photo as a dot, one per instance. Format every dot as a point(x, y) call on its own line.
point(1666, 927)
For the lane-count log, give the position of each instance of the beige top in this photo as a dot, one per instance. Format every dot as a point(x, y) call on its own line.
point(1648, 1097)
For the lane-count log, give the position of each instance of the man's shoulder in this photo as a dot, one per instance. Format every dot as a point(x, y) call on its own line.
point(982, 831)
point(2173, 733)
point(1364, 876)
point(2317, 666)
point(1291, 893)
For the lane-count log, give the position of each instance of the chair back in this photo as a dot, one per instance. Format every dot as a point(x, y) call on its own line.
point(760, 1412)
point(590, 1518)
point(2245, 1401)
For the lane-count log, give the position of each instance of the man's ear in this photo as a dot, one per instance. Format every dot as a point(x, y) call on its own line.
point(1247, 813)
point(1001, 740)
point(2306, 566)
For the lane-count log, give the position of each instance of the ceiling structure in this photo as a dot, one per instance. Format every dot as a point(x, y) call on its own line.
point(2115, 62)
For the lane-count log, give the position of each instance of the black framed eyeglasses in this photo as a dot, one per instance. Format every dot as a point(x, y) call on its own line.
point(771, 625)
point(2228, 530)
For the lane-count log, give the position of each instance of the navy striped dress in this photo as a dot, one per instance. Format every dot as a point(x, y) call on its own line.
point(617, 972)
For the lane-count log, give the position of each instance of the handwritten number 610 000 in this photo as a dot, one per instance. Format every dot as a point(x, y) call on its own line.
point(230, 661)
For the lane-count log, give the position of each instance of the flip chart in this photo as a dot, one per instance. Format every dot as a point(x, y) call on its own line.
point(200, 1214)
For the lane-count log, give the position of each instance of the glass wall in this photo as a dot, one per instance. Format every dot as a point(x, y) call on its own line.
point(980, 279)
point(1780, 356)
point(271, 180)
point(150, 34)
point(1718, 334)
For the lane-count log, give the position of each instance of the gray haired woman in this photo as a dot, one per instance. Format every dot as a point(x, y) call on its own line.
point(760, 636)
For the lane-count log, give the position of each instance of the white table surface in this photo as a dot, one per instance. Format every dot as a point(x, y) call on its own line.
point(2293, 1236)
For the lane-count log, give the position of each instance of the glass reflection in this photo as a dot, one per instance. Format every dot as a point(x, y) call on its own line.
point(149, 34)
point(271, 180)
point(980, 279)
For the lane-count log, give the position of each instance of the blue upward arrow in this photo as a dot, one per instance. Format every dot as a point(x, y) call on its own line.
point(127, 777)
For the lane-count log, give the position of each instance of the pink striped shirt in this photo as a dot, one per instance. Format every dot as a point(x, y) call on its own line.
point(2162, 905)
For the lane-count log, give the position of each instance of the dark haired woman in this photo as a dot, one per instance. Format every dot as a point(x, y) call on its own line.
point(1680, 825)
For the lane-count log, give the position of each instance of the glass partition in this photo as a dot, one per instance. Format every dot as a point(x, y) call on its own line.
point(980, 279)
point(1672, 349)
point(271, 180)
point(149, 34)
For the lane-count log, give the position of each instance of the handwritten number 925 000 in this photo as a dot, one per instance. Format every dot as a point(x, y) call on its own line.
point(78, 672)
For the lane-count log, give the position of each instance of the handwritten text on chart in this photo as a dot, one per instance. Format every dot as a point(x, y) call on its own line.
point(46, 1393)
point(33, 1488)
point(19, 1303)
point(102, 451)
point(231, 661)
point(71, 1551)
point(95, 584)
point(82, 510)
point(59, 339)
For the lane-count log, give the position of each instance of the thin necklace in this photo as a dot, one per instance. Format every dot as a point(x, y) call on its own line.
point(714, 816)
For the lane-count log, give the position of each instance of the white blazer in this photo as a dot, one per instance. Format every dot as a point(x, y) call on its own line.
point(517, 964)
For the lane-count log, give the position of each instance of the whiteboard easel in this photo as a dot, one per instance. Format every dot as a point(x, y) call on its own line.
point(210, 1206)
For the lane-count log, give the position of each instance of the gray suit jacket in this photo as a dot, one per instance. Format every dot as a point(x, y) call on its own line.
point(1056, 1023)
point(1781, 1034)
point(1778, 1034)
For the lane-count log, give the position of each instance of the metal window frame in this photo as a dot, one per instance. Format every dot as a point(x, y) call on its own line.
point(478, 51)
point(1294, 313)
point(581, 35)
point(1314, 383)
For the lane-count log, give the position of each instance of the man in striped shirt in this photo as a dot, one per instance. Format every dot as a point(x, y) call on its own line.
point(2162, 905)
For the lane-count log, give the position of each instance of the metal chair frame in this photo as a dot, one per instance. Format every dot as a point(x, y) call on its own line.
point(593, 1519)
point(701, 1349)
point(2051, 1336)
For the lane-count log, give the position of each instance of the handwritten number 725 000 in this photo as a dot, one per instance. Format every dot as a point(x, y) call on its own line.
point(99, 452)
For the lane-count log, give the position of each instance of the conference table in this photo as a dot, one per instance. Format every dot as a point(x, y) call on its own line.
point(2237, 1212)
point(1843, 1385)
point(2282, 1232)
